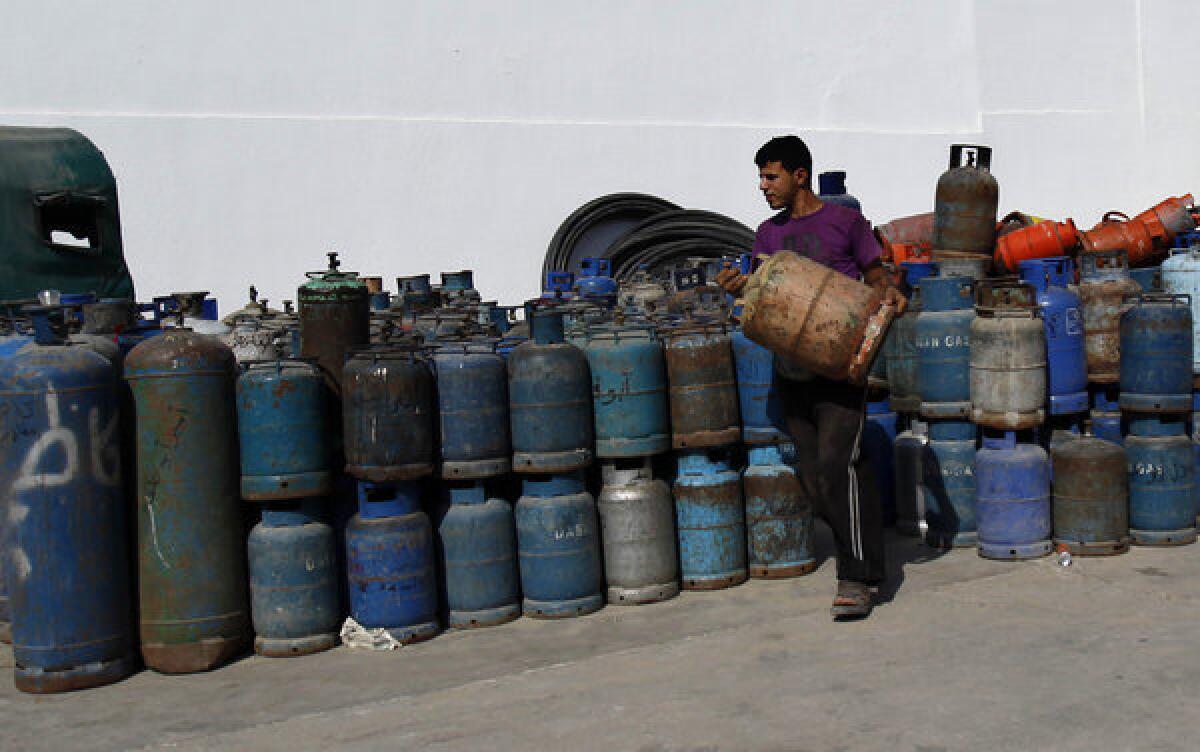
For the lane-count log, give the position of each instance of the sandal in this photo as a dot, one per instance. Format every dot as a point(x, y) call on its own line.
point(853, 600)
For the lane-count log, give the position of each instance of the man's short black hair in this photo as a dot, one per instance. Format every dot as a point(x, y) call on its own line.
point(789, 150)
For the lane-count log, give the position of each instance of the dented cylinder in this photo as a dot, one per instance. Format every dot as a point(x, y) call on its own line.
point(711, 521)
point(1103, 287)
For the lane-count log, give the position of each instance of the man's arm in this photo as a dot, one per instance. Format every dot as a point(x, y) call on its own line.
point(879, 279)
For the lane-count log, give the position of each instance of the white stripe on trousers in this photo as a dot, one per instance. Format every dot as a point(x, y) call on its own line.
point(852, 488)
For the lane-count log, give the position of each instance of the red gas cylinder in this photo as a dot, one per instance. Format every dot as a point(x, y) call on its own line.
point(1112, 234)
point(916, 230)
point(1168, 218)
point(1041, 240)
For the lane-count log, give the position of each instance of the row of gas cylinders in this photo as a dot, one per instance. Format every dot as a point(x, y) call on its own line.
point(1007, 352)
point(964, 225)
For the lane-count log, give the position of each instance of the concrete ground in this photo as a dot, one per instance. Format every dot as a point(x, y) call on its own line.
point(969, 655)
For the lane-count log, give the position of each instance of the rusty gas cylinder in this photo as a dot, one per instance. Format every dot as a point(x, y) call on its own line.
point(1104, 285)
point(964, 213)
point(816, 317)
point(1008, 356)
point(1168, 218)
point(1036, 241)
point(703, 385)
point(1091, 497)
point(915, 232)
point(1116, 232)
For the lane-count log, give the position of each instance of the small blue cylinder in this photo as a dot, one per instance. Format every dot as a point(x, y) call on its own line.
point(1162, 506)
point(1107, 421)
point(293, 581)
point(281, 430)
point(479, 556)
point(558, 542)
point(595, 282)
point(1012, 498)
point(629, 391)
point(389, 562)
point(878, 447)
point(1066, 354)
point(832, 187)
point(948, 484)
point(758, 392)
point(472, 393)
point(944, 346)
point(710, 521)
point(1156, 354)
point(779, 521)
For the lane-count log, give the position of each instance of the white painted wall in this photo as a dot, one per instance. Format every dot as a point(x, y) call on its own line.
point(248, 138)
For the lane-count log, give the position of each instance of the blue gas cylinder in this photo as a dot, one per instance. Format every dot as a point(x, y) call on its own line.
point(878, 447)
point(1149, 277)
point(558, 286)
point(415, 292)
point(389, 562)
point(1162, 506)
point(9, 344)
point(293, 581)
point(1107, 422)
point(710, 520)
point(948, 484)
point(944, 346)
point(558, 542)
point(900, 347)
point(65, 533)
point(1012, 497)
point(479, 556)
point(1156, 354)
point(595, 282)
point(472, 394)
point(832, 187)
point(758, 392)
point(379, 301)
point(1066, 356)
point(1181, 276)
point(779, 521)
point(281, 430)
point(629, 391)
point(550, 400)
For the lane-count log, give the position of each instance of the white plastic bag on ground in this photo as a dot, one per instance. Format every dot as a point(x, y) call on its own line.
point(355, 635)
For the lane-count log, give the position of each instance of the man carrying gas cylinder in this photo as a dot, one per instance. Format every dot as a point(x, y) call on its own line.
point(825, 418)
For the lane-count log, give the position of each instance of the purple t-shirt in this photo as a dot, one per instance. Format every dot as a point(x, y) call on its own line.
point(837, 236)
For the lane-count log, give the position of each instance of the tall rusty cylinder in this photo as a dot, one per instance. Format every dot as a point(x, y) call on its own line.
point(703, 385)
point(388, 411)
point(1156, 354)
point(637, 527)
point(1091, 497)
point(335, 317)
point(550, 400)
point(63, 531)
point(629, 391)
point(472, 392)
point(281, 431)
point(1116, 232)
point(1008, 357)
point(710, 519)
point(191, 556)
point(779, 520)
point(1162, 508)
point(964, 211)
point(1104, 285)
point(943, 347)
point(293, 580)
point(900, 347)
point(815, 317)
point(1037, 241)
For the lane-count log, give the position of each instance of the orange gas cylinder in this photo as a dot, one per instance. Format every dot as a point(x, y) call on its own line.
point(916, 230)
point(1040, 240)
point(1131, 236)
point(1168, 218)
